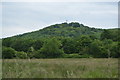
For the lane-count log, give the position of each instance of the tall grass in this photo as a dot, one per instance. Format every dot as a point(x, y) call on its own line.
point(60, 68)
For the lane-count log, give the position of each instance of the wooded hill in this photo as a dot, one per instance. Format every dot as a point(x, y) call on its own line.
point(63, 40)
point(72, 29)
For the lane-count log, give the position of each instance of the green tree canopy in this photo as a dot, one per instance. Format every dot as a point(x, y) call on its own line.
point(97, 49)
point(8, 52)
point(106, 35)
point(51, 49)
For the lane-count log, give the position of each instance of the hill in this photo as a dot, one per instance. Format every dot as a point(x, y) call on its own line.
point(73, 29)
point(69, 40)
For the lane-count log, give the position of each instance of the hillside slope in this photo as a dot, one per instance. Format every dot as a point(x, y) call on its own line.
point(72, 29)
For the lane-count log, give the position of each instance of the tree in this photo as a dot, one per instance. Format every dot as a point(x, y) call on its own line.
point(74, 24)
point(83, 43)
point(115, 50)
point(8, 53)
point(7, 42)
point(97, 49)
point(107, 43)
point(112, 34)
point(105, 35)
point(51, 49)
point(69, 45)
point(37, 44)
point(22, 44)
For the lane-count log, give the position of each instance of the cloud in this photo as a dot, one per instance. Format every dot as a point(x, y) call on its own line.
point(29, 16)
point(60, 0)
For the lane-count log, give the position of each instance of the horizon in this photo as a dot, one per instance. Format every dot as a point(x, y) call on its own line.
point(51, 25)
point(23, 17)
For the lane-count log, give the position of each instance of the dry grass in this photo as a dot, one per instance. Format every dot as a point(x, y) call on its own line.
point(60, 68)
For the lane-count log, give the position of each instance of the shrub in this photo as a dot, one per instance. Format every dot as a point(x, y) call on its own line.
point(21, 55)
point(38, 54)
point(8, 52)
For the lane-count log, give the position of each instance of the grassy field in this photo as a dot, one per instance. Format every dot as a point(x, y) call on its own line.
point(60, 68)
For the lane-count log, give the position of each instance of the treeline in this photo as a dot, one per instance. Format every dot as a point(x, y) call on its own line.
point(83, 46)
point(73, 29)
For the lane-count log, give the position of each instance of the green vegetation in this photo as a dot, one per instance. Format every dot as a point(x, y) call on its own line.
point(71, 40)
point(60, 68)
point(51, 49)
point(78, 51)
point(8, 52)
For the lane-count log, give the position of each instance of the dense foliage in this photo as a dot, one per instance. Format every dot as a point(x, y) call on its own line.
point(69, 40)
point(51, 49)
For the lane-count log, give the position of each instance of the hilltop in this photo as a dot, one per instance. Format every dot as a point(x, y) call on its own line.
point(73, 29)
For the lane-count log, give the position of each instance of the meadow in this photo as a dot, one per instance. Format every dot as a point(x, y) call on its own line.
point(60, 68)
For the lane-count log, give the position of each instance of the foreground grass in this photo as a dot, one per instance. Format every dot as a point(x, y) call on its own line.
point(60, 68)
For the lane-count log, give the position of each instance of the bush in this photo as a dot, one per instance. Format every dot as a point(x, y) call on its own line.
point(21, 55)
point(115, 50)
point(86, 56)
point(38, 54)
point(8, 53)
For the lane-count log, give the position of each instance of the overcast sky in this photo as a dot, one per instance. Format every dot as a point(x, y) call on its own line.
point(22, 17)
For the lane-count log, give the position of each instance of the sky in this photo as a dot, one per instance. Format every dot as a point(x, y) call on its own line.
point(22, 17)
